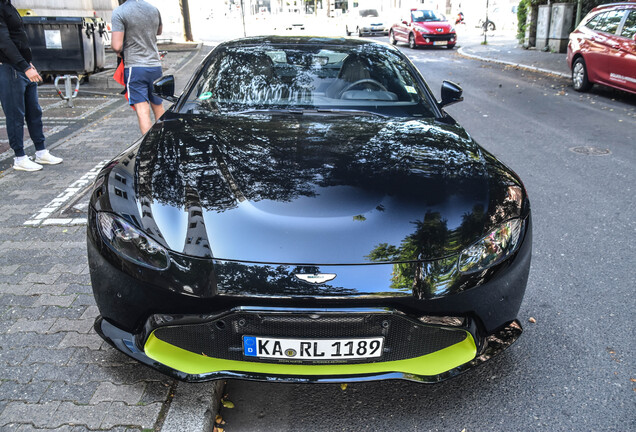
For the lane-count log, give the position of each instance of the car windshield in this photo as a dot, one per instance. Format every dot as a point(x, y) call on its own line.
point(362, 78)
point(368, 13)
point(426, 15)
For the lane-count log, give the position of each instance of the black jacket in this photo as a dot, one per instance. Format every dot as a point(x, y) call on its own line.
point(14, 45)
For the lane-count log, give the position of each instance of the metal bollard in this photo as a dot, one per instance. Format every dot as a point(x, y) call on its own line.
point(69, 94)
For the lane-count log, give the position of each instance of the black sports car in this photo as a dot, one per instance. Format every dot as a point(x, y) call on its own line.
point(306, 211)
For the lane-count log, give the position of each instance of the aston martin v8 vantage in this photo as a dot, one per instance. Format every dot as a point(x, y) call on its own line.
point(307, 211)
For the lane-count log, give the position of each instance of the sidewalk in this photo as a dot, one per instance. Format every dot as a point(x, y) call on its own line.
point(56, 373)
point(95, 98)
point(505, 49)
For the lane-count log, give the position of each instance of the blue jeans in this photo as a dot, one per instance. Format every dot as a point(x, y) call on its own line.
point(19, 98)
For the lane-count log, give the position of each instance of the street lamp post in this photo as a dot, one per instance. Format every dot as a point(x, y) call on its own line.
point(243, 18)
point(485, 42)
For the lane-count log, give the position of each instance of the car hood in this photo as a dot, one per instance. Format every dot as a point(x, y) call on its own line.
point(434, 26)
point(310, 189)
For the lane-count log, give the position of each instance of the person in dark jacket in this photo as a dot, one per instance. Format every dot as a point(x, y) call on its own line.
point(19, 91)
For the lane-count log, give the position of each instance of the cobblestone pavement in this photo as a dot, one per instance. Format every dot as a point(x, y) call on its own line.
point(56, 373)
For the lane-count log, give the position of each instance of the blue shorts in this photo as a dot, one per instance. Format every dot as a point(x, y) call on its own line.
point(139, 84)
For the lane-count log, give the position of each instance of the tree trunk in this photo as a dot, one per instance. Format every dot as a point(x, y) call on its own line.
point(185, 13)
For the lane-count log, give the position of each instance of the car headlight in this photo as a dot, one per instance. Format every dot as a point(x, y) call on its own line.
point(130, 243)
point(492, 248)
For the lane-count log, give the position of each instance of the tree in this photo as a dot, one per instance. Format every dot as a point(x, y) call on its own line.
point(185, 13)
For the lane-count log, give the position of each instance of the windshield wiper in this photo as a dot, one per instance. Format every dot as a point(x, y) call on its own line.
point(352, 112)
point(318, 111)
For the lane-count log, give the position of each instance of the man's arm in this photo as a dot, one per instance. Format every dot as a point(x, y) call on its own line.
point(117, 41)
point(117, 36)
point(9, 49)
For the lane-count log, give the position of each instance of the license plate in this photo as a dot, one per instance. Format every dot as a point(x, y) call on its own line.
point(312, 349)
point(440, 42)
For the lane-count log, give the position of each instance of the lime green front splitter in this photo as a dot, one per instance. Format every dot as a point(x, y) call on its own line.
point(197, 364)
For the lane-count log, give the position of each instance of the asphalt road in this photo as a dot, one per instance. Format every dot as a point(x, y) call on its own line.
point(572, 370)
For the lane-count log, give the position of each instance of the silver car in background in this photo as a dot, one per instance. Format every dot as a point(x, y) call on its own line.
point(366, 22)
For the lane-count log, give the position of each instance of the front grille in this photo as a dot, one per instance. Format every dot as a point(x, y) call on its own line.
point(439, 37)
point(222, 338)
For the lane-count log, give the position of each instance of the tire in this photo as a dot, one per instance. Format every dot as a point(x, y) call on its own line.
point(580, 81)
point(360, 34)
point(450, 47)
point(489, 26)
point(412, 43)
point(392, 39)
point(347, 31)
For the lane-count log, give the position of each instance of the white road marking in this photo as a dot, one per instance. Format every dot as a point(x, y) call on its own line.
point(42, 217)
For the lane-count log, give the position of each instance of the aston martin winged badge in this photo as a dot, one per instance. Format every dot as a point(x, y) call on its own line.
point(315, 278)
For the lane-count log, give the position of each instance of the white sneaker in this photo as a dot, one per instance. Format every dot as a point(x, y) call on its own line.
point(25, 164)
point(46, 158)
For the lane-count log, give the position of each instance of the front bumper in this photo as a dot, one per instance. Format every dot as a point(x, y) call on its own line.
point(435, 39)
point(375, 31)
point(151, 348)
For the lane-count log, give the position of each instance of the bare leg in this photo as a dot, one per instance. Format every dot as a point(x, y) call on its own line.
point(157, 110)
point(143, 116)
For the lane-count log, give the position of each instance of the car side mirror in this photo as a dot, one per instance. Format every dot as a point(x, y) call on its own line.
point(164, 88)
point(404, 22)
point(451, 93)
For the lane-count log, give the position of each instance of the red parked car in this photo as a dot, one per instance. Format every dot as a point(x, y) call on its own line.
point(423, 27)
point(602, 49)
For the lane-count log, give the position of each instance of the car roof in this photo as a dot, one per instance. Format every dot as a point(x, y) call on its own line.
point(629, 4)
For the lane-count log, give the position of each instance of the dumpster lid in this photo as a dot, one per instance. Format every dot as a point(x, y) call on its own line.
point(52, 20)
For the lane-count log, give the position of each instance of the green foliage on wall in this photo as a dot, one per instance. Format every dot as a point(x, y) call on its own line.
point(525, 5)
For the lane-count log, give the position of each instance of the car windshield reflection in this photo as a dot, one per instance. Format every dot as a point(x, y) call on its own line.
point(426, 15)
point(332, 80)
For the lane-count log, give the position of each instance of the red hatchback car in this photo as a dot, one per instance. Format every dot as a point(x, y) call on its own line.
point(602, 49)
point(423, 27)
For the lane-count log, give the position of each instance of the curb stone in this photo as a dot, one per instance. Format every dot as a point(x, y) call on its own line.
point(186, 413)
point(463, 53)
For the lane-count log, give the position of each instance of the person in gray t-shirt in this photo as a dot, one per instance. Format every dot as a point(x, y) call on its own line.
point(136, 24)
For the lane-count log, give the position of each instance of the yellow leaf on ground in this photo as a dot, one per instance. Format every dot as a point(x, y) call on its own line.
point(218, 419)
point(343, 386)
point(226, 403)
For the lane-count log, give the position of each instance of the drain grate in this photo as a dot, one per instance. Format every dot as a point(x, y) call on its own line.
point(590, 151)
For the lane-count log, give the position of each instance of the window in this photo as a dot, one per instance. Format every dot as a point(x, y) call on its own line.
point(272, 77)
point(426, 15)
point(592, 23)
point(364, 13)
point(611, 22)
point(629, 28)
point(596, 20)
